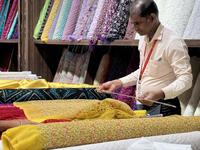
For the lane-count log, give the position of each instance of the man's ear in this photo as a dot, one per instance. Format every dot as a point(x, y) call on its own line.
point(152, 17)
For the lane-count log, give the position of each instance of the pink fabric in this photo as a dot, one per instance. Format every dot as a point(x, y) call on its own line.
point(129, 32)
point(1, 5)
point(10, 18)
point(72, 19)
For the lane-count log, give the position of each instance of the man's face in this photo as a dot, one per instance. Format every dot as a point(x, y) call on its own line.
point(142, 25)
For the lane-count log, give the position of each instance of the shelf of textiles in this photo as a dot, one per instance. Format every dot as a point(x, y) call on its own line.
point(99, 22)
point(9, 21)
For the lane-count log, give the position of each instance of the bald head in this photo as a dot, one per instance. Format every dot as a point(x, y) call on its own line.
point(143, 8)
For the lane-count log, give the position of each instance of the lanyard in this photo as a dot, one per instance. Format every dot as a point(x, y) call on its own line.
point(147, 60)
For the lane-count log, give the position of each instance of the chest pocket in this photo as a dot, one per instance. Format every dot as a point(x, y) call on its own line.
point(159, 68)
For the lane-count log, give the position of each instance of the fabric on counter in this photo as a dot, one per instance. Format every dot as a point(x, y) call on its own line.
point(100, 70)
point(90, 20)
point(21, 95)
point(97, 31)
point(38, 84)
point(96, 131)
point(119, 22)
point(41, 19)
point(95, 19)
point(72, 19)
point(192, 30)
point(13, 27)
point(53, 27)
point(83, 7)
point(45, 19)
point(108, 19)
point(50, 20)
point(85, 17)
point(62, 17)
point(194, 100)
point(10, 18)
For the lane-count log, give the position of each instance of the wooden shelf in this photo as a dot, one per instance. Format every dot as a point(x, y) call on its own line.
point(9, 41)
point(190, 43)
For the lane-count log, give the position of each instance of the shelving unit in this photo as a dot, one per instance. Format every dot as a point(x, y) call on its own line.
point(42, 58)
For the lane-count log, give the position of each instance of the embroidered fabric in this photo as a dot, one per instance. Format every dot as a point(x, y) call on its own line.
point(53, 27)
point(192, 30)
point(83, 7)
point(72, 19)
point(90, 19)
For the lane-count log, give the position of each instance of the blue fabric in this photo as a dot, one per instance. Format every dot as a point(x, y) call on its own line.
point(12, 29)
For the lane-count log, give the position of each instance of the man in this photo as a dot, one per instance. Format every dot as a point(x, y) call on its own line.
point(164, 71)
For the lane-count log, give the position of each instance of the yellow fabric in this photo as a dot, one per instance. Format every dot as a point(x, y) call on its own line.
point(41, 83)
point(75, 109)
point(22, 141)
point(55, 135)
point(50, 20)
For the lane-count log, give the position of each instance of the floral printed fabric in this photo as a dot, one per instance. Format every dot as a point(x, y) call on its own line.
point(73, 36)
point(129, 32)
point(72, 19)
point(119, 22)
point(86, 14)
point(66, 134)
point(90, 19)
point(108, 18)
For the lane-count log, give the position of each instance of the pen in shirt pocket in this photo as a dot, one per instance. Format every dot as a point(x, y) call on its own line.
point(159, 59)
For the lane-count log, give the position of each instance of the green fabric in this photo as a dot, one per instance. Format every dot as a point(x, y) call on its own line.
point(41, 18)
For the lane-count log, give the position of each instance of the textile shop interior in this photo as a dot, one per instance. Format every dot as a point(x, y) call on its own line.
point(54, 56)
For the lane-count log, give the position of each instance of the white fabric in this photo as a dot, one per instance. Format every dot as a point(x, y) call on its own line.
point(161, 6)
point(144, 144)
point(169, 67)
point(176, 14)
point(1, 146)
point(197, 111)
point(194, 100)
point(192, 30)
point(191, 138)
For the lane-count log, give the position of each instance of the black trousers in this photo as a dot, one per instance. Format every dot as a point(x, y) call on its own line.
point(162, 109)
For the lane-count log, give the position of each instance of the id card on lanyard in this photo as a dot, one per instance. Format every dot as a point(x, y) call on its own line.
point(142, 69)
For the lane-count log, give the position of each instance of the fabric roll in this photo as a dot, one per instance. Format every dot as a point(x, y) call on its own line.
point(119, 22)
point(83, 7)
point(79, 66)
point(22, 95)
point(97, 30)
point(12, 29)
point(85, 67)
point(63, 134)
point(1, 5)
point(64, 20)
point(176, 15)
point(108, 18)
point(71, 70)
point(60, 66)
point(50, 20)
point(107, 69)
point(129, 32)
point(63, 16)
point(41, 19)
point(72, 19)
point(84, 19)
point(45, 19)
point(15, 36)
point(100, 70)
point(197, 111)
point(10, 19)
point(192, 30)
point(3, 15)
point(53, 27)
point(69, 56)
point(133, 65)
point(90, 19)
point(194, 100)
point(95, 19)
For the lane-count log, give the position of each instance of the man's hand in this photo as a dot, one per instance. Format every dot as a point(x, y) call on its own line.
point(151, 95)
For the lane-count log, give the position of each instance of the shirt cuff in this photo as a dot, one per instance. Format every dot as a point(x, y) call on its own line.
point(168, 93)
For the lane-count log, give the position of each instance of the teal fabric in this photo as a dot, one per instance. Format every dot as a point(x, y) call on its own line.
point(64, 20)
point(3, 19)
point(12, 29)
point(41, 18)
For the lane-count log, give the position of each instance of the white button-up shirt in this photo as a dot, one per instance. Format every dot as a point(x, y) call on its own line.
point(169, 66)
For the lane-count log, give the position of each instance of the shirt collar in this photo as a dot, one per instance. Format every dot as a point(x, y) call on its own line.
point(157, 35)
